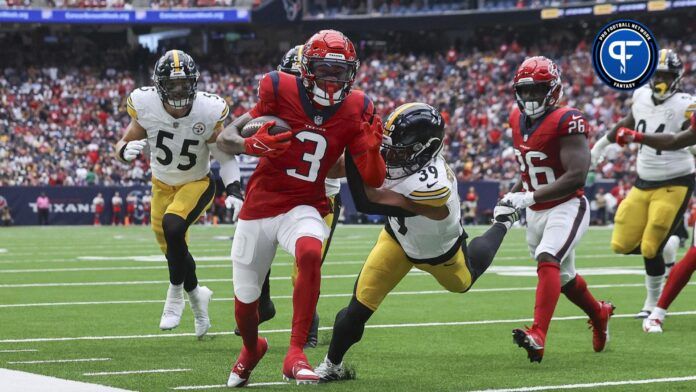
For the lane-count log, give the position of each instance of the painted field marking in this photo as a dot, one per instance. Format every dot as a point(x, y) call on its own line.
point(270, 331)
point(28, 350)
point(256, 384)
point(592, 385)
point(136, 372)
point(15, 380)
point(59, 361)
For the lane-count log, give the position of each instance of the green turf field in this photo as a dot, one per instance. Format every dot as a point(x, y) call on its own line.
point(97, 293)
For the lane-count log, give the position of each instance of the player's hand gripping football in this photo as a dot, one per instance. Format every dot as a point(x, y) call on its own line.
point(132, 149)
point(626, 136)
point(518, 200)
point(234, 199)
point(372, 134)
point(266, 145)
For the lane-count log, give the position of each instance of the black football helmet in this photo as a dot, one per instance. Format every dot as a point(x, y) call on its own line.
point(413, 136)
point(668, 74)
point(176, 78)
point(292, 61)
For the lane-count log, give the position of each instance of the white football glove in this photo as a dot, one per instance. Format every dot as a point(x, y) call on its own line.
point(597, 152)
point(519, 200)
point(234, 199)
point(133, 149)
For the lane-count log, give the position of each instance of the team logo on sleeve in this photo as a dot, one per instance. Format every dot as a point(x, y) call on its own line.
point(198, 128)
point(624, 54)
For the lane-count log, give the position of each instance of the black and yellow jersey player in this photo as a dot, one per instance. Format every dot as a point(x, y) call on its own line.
point(421, 200)
point(180, 125)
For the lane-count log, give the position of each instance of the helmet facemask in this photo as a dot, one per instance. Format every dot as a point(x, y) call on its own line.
point(664, 84)
point(329, 80)
point(534, 99)
point(404, 160)
point(179, 91)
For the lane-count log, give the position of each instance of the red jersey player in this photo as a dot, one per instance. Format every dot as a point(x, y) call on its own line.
point(681, 273)
point(551, 146)
point(285, 198)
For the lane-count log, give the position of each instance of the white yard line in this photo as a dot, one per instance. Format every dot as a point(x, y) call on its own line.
point(337, 295)
point(271, 331)
point(28, 350)
point(197, 387)
point(592, 385)
point(136, 372)
point(15, 380)
point(59, 361)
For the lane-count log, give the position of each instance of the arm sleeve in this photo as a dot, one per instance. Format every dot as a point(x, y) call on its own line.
point(130, 107)
point(362, 203)
point(229, 167)
point(573, 122)
point(431, 197)
point(267, 94)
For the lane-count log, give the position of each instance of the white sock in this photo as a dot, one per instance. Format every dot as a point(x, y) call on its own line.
point(653, 285)
point(658, 314)
point(175, 291)
point(669, 253)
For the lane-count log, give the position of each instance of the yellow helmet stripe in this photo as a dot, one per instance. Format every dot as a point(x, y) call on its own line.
point(177, 63)
point(663, 56)
point(396, 114)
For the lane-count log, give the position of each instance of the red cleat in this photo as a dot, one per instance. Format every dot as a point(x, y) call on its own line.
point(600, 332)
point(296, 367)
point(239, 376)
point(530, 340)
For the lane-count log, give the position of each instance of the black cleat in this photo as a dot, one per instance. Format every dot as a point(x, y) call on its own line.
point(531, 341)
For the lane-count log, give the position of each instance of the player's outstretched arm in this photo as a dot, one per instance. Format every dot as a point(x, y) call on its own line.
point(229, 173)
point(575, 158)
point(230, 140)
point(660, 141)
point(598, 149)
point(369, 162)
point(132, 142)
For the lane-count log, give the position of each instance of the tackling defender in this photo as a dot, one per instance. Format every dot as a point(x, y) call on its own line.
point(682, 271)
point(551, 146)
point(286, 198)
point(180, 125)
point(655, 205)
point(420, 197)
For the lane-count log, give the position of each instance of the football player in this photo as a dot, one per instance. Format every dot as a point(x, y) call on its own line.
point(551, 147)
point(180, 125)
point(681, 273)
point(286, 196)
point(655, 205)
point(420, 197)
point(291, 64)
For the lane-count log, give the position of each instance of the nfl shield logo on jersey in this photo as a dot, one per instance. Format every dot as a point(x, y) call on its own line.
point(198, 128)
point(318, 120)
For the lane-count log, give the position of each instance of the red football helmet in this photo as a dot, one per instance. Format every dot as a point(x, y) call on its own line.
point(329, 65)
point(537, 86)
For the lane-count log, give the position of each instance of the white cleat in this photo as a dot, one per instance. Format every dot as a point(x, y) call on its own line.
point(199, 298)
point(327, 371)
point(651, 325)
point(173, 307)
point(643, 314)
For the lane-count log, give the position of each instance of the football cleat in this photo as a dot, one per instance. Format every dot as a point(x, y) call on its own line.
point(241, 371)
point(643, 314)
point(652, 325)
point(296, 368)
point(530, 340)
point(600, 332)
point(313, 336)
point(199, 299)
point(328, 371)
point(266, 312)
point(505, 213)
point(173, 307)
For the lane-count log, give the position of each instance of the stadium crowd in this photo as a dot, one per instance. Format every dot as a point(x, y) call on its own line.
point(58, 123)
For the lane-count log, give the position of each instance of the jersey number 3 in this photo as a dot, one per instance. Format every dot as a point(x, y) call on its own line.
point(313, 158)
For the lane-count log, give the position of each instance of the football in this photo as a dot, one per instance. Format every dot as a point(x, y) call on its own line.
point(253, 126)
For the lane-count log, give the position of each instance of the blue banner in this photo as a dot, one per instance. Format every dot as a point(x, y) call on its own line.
point(80, 16)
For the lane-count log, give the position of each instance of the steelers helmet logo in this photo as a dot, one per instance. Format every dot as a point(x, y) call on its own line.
point(624, 54)
point(198, 128)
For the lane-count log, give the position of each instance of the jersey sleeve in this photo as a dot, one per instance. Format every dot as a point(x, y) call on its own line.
point(573, 122)
point(267, 94)
point(367, 114)
point(429, 186)
point(131, 106)
point(690, 109)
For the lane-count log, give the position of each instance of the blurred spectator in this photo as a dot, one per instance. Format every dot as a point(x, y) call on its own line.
point(116, 208)
point(147, 202)
point(470, 206)
point(131, 206)
point(601, 205)
point(98, 205)
point(5, 214)
point(43, 204)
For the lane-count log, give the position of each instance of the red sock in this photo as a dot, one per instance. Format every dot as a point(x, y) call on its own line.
point(678, 278)
point(576, 291)
point(547, 293)
point(247, 316)
point(306, 291)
